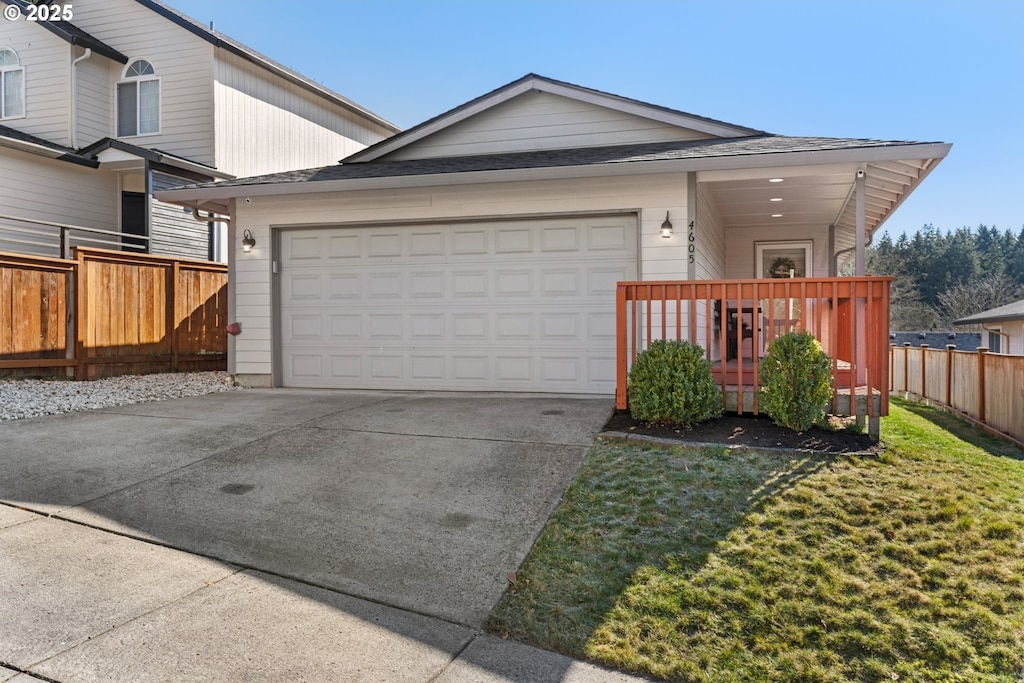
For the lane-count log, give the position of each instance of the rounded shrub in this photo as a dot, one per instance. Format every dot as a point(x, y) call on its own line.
point(796, 381)
point(671, 383)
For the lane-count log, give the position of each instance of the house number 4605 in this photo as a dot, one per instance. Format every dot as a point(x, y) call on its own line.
point(691, 247)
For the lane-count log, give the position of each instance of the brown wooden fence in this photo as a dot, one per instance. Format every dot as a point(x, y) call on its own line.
point(987, 388)
point(107, 313)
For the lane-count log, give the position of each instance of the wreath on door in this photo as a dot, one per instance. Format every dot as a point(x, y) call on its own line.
point(781, 266)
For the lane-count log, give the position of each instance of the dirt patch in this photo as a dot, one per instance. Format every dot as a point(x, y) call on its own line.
point(748, 430)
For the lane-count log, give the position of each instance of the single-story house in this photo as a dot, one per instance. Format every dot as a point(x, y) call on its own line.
point(480, 250)
point(1002, 328)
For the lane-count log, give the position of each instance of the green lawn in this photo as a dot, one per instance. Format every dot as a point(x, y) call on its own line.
point(706, 565)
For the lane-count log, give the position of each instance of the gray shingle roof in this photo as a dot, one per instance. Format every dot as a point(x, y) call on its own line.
point(1014, 311)
point(73, 34)
point(587, 156)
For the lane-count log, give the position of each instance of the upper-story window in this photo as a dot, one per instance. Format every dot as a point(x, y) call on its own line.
point(12, 85)
point(138, 100)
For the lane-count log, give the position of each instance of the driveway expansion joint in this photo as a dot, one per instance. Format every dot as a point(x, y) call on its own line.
point(446, 437)
point(28, 672)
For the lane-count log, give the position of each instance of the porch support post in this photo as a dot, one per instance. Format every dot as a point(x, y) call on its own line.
point(691, 247)
point(691, 226)
point(859, 304)
point(861, 185)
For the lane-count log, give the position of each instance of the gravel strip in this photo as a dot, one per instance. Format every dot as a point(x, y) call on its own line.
point(21, 398)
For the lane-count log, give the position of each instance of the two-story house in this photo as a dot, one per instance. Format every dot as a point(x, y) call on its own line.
point(104, 102)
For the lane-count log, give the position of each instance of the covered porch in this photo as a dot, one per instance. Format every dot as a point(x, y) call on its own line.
point(735, 321)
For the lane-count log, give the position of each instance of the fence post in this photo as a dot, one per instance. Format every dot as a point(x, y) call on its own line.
point(906, 368)
point(81, 313)
point(924, 386)
point(982, 350)
point(172, 313)
point(950, 348)
point(620, 347)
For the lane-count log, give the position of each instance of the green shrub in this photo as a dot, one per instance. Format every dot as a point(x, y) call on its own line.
point(796, 381)
point(671, 383)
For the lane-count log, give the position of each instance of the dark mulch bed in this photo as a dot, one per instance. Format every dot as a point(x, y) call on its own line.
point(747, 430)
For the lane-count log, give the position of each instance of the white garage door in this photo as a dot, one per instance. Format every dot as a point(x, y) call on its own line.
point(507, 305)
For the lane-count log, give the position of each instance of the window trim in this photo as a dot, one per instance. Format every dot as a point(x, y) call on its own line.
point(134, 81)
point(4, 69)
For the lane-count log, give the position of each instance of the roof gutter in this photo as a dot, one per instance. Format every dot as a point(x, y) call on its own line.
point(42, 150)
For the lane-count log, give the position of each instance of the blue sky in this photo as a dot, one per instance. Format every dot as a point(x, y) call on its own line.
point(892, 69)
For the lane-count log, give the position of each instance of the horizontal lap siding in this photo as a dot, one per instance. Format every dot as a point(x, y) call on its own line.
point(538, 120)
point(183, 62)
point(267, 125)
point(51, 190)
point(174, 232)
point(653, 195)
point(46, 59)
point(94, 106)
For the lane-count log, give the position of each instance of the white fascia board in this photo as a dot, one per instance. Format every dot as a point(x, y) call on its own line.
point(562, 90)
point(639, 109)
point(755, 161)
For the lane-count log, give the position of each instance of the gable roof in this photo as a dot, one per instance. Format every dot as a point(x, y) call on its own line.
point(575, 157)
point(16, 139)
point(73, 34)
point(1014, 311)
point(201, 172)
point(245, 52)
point(543, 84)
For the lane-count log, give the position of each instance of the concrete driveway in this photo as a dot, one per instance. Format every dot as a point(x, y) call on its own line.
point(397, 513)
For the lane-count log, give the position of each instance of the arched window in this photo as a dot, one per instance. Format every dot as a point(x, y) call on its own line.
point(12, 85)
point(138, 100)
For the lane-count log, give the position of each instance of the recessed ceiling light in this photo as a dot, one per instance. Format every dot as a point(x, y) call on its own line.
point(775, 199)
point(776, 215)
point(775, 180)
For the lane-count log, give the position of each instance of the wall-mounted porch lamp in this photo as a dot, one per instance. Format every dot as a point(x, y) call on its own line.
point(666, 227)
point(248, 241)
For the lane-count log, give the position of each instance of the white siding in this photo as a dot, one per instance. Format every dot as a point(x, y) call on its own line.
point(51, 190)
point(94, 107)
point(183, 62)
point(740, 247)
point(651, 196)
point(267, 125)
point(46, 59)
point(538, 120)
point(710, 237)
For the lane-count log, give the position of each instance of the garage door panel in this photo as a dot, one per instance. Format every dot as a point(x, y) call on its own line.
point(517, 305)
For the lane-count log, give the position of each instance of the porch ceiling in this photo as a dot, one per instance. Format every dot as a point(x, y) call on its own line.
point(813, 196)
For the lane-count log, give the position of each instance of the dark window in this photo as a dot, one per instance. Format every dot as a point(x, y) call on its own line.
point(133, 220)
point(993, 342)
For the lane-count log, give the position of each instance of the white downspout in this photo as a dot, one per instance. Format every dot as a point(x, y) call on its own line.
point(74, 96)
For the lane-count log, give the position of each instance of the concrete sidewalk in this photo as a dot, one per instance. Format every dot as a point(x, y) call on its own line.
point(82, 604)
point(280, 535)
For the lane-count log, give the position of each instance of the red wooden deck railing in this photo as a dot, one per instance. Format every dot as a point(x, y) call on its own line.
point(736, 320)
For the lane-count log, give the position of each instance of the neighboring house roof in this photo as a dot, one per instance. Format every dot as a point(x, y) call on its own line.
point(550, 85)
point(963, 341)
point(584, 156)
point(154, 156)
point(1014, 311)
point(16, 139)
point(73, 34)
point(247, 53)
